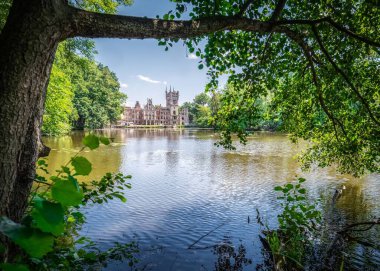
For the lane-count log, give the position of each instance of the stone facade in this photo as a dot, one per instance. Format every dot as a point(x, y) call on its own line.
point(150, 114)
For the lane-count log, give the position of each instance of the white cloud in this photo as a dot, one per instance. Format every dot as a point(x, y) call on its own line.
point(192, 56)
point(147, 79)
point(164, 82)
point(123, 85)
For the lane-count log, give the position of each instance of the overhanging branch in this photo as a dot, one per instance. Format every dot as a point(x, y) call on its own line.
point(345, 77)
point(308, 53)
point(330, 21)
point(96, 25)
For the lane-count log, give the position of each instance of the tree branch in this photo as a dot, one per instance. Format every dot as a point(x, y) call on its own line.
point(334, 24)
point(96, 25)
point(345, 77)
point(352, 227)
point(277, 11)
point(244, 8)
point(308, 54)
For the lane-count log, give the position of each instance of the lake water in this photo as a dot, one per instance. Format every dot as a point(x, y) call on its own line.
point(183, 188)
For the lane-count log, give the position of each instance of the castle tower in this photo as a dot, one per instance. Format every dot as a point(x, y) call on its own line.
point(172, 97)
point(172, 104)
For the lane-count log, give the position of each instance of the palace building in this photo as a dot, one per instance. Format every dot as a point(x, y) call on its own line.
point(150, 114)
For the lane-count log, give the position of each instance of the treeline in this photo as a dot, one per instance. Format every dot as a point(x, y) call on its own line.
point(81, 93)
point(230, 107)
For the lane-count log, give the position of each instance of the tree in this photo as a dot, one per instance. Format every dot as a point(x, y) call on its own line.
point(202, 99)
point(58, 106)
point(81, 93)
point(97, 97)
point(307, 41)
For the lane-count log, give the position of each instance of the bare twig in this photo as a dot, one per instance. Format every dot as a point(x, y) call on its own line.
point(44, 183)
point(352, 227)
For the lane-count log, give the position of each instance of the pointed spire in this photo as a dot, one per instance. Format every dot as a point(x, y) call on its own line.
point(170, 88)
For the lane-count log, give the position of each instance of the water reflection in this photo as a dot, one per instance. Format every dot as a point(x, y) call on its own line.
point(104, 159)
point(230, 258)
point(183, 187)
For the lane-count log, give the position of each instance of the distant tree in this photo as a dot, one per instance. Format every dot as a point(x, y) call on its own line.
point(203, 116)
point(190, 107)
point(59, 103)
point(97, 95)
point(59, 99)
point(202, 99)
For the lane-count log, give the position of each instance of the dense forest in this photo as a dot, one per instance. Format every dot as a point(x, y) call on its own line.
point(81, 93)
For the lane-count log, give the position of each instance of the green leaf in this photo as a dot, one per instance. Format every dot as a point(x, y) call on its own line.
point(91, 141)
point(119, 196)
point(290, 198)
point(278, 188)
point(35, 242)
point(289, 186)
point(105, 140)
point(302, 190)
point(13, 267)
point(67, 192)
point(48, 216)
point(81, 165)
point(200, 66)
point(301, 180)
point(41, 162)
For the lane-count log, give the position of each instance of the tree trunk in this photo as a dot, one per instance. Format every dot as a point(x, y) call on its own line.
point(27, 44)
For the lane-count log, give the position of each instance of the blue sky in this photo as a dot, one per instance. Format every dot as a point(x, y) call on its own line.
point(145, 69)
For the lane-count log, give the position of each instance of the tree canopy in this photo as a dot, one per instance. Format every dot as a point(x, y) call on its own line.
point(81, 93)
point(318, 59)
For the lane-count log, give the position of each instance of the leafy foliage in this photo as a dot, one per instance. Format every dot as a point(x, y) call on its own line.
point(4, 9)
point(49, 232)
point(298, 223)
point(320, 70)
point(103, 6)
point(201, 109)
point(297, 214)
point(81, 93)
point(59, 108)
point(97, 97)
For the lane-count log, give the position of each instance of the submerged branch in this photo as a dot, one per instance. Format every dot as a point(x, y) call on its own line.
point(208, 233)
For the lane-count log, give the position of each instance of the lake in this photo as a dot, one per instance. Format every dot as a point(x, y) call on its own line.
point(189, 198)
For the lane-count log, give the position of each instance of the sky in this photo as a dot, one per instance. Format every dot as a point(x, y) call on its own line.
point(145, 69)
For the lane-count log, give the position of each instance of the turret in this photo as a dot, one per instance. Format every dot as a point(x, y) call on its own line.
point(172, 97)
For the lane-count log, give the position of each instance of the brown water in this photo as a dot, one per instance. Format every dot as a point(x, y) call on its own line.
point(184, 187)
